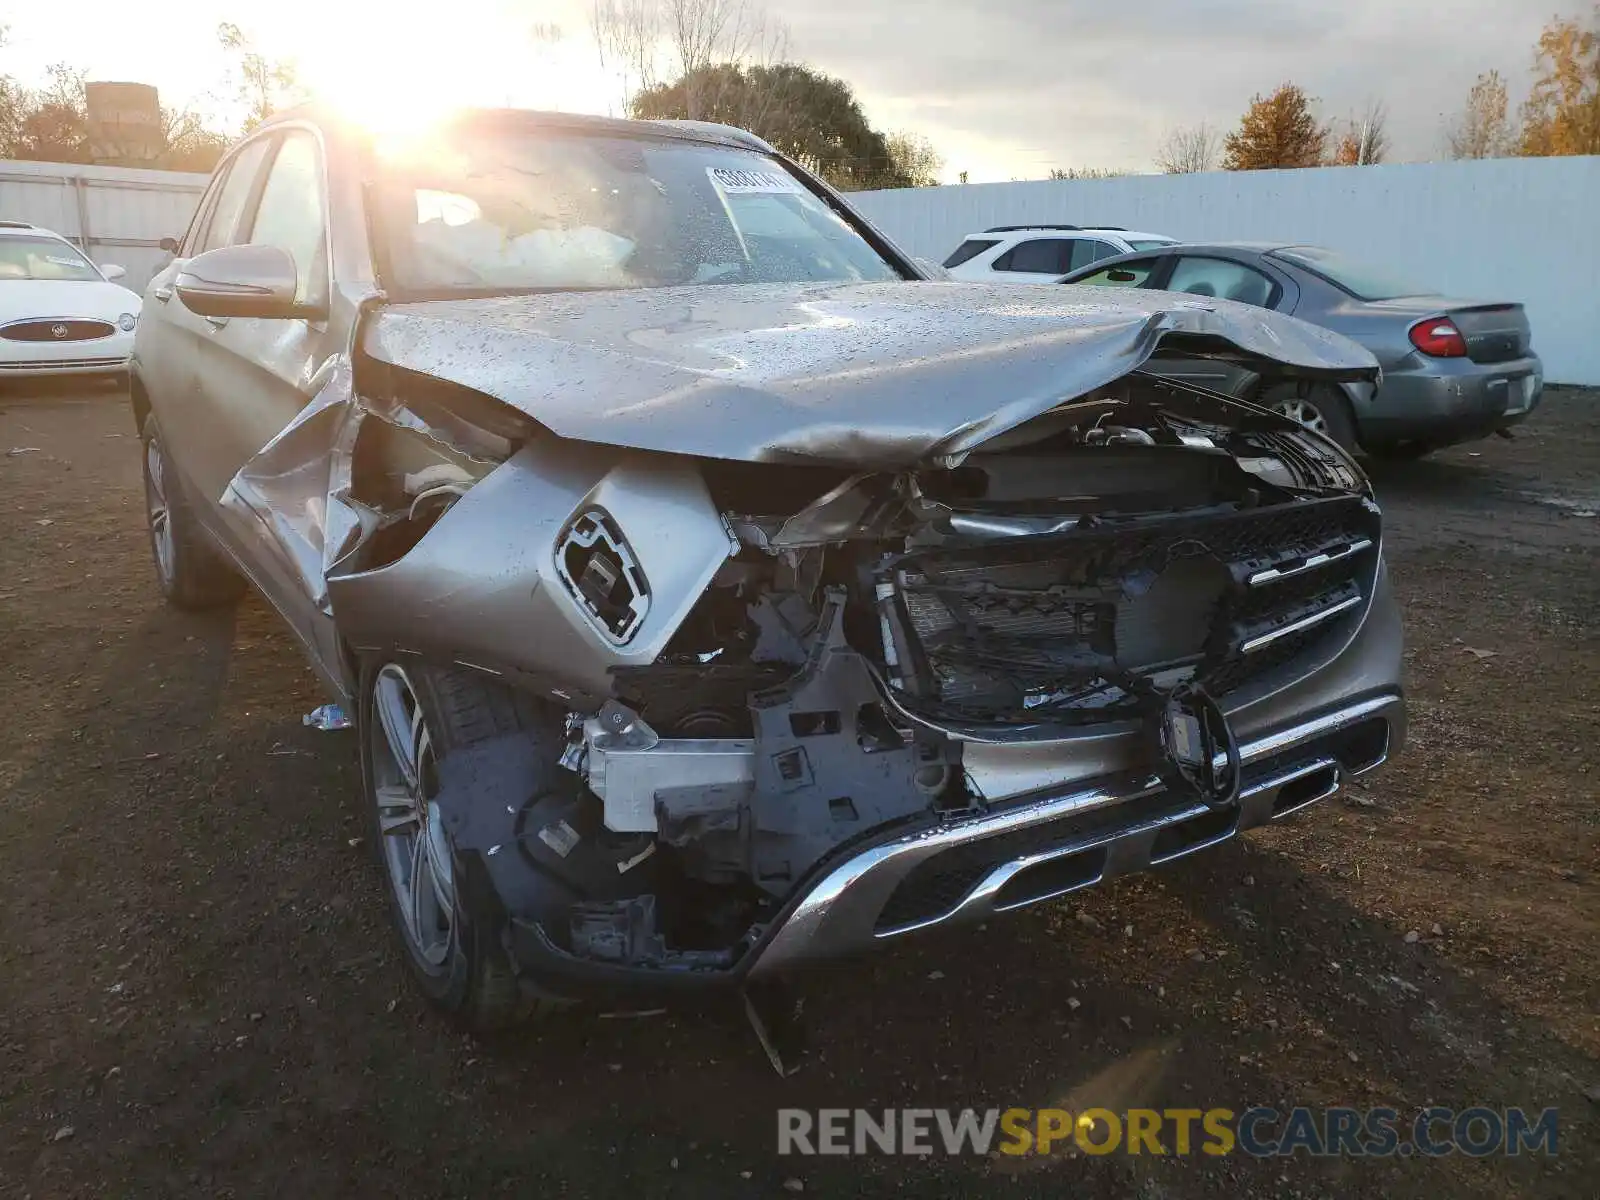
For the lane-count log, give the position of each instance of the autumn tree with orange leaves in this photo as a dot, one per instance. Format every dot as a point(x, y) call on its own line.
point(1562, 112)
point(1279, 130)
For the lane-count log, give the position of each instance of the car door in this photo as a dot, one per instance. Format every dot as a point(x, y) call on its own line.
point(254, 375)
point(1089, 250)
point(1225, 279)
point(1037, 260)
point(172, 341)
point(1133, 273)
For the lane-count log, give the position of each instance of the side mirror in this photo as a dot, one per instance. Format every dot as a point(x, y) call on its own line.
point(169, 244)
point(241, 281)
point(112, 271)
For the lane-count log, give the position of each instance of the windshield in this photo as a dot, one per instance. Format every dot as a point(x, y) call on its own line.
point(1360, 280)
point(509, 210)
point(42, 258)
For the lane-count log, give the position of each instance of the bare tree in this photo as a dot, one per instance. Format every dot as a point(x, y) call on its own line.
point(1086, 173)
point(1365, 139)
point(262, 85)
point(1483, 128)
point(1190, 149)
point(912, 155)
point(649, 43)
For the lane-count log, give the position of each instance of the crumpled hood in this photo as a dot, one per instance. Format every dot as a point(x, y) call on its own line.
point(878, 374)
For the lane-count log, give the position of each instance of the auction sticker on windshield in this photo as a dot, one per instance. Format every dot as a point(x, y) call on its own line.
point(734, 181)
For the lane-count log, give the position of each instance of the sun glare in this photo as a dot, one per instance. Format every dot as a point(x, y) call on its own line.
point(400, 78)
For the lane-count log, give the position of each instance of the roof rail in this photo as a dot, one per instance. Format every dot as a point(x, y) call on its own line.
point(1015, 228)
point(1112, 228)
point(15, 225)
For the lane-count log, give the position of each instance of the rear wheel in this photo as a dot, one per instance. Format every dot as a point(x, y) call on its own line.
point(192, 572)
point(1320, 409)
point(412, 718)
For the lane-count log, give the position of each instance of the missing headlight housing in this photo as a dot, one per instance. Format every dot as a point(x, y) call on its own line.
point(598, 566)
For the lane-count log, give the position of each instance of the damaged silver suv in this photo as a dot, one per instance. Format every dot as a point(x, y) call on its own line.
point(714, 591)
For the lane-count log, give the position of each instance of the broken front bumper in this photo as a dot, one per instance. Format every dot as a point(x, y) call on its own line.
point(1035, 848)
point(1048, 845)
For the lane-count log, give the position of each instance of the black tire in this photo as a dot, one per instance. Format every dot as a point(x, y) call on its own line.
point(1328, 404)
point(472, 981)
point(193, 574)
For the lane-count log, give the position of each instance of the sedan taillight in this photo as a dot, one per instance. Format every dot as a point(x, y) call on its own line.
point(1439, 338)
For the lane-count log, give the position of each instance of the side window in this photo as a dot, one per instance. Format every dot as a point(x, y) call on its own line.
point(1126, 274)
point(1220, 277)
point(190, 243)
point(234, 195)
point(289, 215)
point(1088, 250)
point(1041, 256)
point(969, 249)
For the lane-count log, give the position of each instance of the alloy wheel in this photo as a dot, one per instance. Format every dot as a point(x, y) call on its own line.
point(1298, 408)
point(158, 508)
point(415, 847)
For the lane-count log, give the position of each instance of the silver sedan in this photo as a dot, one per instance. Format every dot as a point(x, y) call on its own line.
point(1453, 370)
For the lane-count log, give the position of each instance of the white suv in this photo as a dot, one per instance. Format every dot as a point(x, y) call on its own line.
point(1042, 253)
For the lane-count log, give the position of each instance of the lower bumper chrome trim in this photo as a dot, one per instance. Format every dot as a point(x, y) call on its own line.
point(841, 913)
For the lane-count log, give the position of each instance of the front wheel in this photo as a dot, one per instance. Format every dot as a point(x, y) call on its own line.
point(412, 717)
point(1320, 409)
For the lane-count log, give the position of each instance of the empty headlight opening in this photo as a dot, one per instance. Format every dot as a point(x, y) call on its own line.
point(599, 569)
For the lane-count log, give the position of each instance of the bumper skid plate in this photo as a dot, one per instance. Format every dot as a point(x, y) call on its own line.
point(1039, 849)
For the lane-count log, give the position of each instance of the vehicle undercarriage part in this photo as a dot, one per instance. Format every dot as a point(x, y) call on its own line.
point(633, 771)
point(824, 764)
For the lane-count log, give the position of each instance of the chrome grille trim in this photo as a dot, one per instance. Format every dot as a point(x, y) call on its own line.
point(1304, 623)
point(1273, 574)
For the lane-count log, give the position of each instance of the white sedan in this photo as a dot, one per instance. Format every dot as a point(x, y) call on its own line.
point(59, 313)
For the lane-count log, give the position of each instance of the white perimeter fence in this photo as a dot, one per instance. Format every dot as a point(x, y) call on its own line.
point(115, 215)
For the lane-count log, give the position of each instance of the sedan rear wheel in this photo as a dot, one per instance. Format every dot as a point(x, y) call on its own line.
point(1320, 409)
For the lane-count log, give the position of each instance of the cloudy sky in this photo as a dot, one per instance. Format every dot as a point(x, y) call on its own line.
point(1003, 88)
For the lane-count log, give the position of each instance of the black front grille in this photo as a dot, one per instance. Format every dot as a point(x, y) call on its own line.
point(57, 331)
point(1066, 627)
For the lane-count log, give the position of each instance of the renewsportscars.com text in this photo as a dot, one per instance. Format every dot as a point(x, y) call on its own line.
point(1259, 1132)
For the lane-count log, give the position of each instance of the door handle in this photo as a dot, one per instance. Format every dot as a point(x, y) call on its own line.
point(162, 294)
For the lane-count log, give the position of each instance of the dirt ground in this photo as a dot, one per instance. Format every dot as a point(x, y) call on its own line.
point(199, 996)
